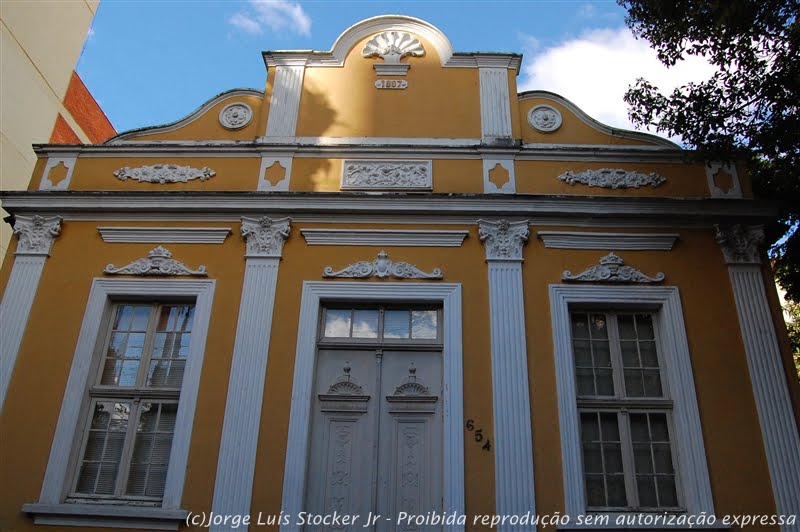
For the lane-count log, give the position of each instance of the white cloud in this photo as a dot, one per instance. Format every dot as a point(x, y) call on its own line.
point(274, 14)
point(595, 69)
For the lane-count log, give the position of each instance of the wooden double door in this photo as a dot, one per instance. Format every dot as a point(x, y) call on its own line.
point(376, 434)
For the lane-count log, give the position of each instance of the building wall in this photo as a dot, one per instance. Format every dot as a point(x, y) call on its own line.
point(254, 173)
point(43, 98)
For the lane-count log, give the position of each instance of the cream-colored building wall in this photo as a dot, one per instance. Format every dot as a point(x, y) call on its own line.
point(41, 42)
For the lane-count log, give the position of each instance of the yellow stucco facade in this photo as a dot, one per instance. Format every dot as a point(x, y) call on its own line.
point(530, 211)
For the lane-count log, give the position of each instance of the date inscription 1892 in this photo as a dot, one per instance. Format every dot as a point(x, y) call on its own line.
point(485, 443)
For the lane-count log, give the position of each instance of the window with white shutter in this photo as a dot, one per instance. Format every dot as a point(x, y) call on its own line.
point(130, 425)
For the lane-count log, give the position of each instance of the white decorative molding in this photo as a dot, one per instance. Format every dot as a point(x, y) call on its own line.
point(57, 474)
point(392, 46)
point(740, 244)
point(159, 261)
point(235, 115)
point(490, 165)
point(384, 237)
point(36, 234)
point(503, 239)
point(164, 173)
point(713, 169)
point(269, 161)
point(164, 235)
point(768, 377)
point(691, 455)
point(233, 487)
point(544, 118)
point(513, 450)
point(14, 312)
point(612, 178)
point(53, 162)
point(285, 103)
point(380, 174)
point(495, 104)
point(591, 240)
point(382, 267)
point(265, 236)
point(612, 269)
point(297, 447)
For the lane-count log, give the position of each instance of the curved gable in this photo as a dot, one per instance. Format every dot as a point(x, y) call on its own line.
point(577, 127)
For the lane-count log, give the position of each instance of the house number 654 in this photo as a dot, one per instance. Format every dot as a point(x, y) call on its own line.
point(478, 435)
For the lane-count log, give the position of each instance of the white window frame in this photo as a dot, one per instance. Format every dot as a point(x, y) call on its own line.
point(51, 508)
point(319, 293)
point(688, 447)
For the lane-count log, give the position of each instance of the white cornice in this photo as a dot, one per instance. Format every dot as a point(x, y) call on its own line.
point(609, 241)
point(383, 237)
point(580, 207)
point(165, 235)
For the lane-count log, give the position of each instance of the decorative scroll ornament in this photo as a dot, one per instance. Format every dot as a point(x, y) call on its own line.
point(158, 262)
point(265, 236)
point(613, 178)
point(393, 46)
point(36, 233)
point(503, 239)
point(406, 175)
point(382, 267)
point(544, 118)
point(235, 115)
point(164, 173)
point(740, 244)
point(612, 269)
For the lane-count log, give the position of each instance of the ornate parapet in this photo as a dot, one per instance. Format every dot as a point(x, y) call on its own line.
point(265, 236)
point(503, 239)
point(36, 233)
point(740, 244)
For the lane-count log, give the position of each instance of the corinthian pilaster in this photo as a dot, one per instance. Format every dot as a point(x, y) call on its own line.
point(740, 247)
point(237, 455)
point(35, 238)
point(511, 401)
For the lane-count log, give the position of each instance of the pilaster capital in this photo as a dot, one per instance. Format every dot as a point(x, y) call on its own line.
point(265, 236)
point(503, 239)
point(739, 243)
point(36, 233)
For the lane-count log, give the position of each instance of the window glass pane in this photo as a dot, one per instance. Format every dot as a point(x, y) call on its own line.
point(627, 329)
point(647, 491)
point(583, 353)
point(592, 458)
point(667, 494)
point(365, 323)
point(630, 354)
point(634, 386)
point(176, 318)
point(141, 315)
point(580, 328)
point(585, 380)
point(595, 490)
point(599, 326)
point(602, 354)
point(103, 451)
point(608, 422)
point(337, 323)
point(662, 457)
point(644, 327)
point(639, 430)
point(616, 490)
point(396, 324)
point(612, 456)
point(423, 324)
point(170, 347)
point(151, 449)
point(590, 430)
point(647, 349)
point(605, 382)
point(652, 383)
point(658, 427)
point(643, 461)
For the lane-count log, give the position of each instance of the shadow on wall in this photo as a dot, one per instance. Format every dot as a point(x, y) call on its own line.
point(323, 177)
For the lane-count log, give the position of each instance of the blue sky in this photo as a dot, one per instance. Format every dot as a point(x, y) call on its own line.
point(153, 62)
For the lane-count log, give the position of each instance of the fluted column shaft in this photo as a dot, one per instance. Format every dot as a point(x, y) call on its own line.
point(233, 486)
point(513, 445)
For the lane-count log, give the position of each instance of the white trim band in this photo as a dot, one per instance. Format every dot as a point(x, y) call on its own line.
point(164, 235)
point(608, 241)
point(384, 237)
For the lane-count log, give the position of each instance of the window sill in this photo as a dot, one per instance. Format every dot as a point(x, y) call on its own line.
point(105, 515)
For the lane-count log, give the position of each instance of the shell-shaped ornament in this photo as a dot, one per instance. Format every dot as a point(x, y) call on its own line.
point(393, 46)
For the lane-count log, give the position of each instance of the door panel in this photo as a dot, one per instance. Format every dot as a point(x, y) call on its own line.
point(376, 435)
